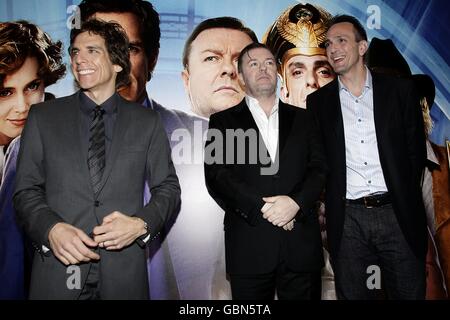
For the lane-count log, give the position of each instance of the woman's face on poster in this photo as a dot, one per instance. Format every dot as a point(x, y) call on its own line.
point(19, 91)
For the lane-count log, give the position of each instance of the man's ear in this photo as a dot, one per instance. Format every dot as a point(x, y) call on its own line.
point(185, 77)
point(152, 64)
point(117, 68)
point(362, 47)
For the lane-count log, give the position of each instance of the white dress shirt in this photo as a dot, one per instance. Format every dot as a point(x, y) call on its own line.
point(364, 172)
point(267, 126)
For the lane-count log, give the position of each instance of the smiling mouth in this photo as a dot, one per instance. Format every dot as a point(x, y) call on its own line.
point(338, 59)
point(85, 72)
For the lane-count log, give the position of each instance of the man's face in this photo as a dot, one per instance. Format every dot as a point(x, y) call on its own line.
point(140, 66)
point(259, 73)
point(343, 51)
point(211, 79)
point(20, 90)
point(304, 74)
point(92, 66)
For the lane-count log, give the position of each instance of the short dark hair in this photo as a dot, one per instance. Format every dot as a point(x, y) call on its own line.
point(213, 23)
point(116, 42)
point(360, 32)
point(20, 40)
point(251, 46)
point(148, 18)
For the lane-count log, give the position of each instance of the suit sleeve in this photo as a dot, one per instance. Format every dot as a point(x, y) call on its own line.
point(229, 191)
point(33, 212)
point(315, 174)
point(163, 182)
point(414, 132)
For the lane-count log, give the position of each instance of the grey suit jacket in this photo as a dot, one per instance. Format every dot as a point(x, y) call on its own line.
point(53, 185)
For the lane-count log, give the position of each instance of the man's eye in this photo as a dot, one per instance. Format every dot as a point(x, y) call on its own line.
point(324, 72)
point(134, 49)
point(212, 58)
point(297, 73)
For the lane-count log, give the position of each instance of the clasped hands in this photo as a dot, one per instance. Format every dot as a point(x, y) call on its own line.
point(280, 211)
point(72, 245)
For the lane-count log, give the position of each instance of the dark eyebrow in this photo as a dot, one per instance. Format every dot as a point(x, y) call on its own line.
point(321, 63)
point(296, 65)
point(95, 47)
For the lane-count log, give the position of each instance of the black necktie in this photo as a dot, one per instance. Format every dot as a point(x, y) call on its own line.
point(96, 151)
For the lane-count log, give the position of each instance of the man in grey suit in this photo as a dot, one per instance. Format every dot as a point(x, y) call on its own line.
point(82, 166)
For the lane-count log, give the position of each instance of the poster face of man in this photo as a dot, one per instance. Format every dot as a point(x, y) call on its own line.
point(211, 79)
point(135, 90)
point(303, 75)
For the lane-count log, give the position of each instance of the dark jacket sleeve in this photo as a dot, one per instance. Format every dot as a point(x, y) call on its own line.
point(33, 212)
point(164, 186)
point(315, 174)
point(228, 189)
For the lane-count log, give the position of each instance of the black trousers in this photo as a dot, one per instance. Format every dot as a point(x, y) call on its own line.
point(374, 260)
point(288, 285)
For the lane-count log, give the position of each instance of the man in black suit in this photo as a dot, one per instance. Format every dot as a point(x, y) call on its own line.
point(374, 140)
point(272, 235)
point(82, 165)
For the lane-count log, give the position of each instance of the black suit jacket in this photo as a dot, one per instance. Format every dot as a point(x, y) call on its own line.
point(53, 185)
point(252, 244)
point(401, 147)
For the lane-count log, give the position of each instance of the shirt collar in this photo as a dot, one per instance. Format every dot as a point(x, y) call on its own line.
point(367, 82)
point(87, 105)
point(254, 105)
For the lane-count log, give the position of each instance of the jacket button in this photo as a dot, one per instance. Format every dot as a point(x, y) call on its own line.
point(97, 203)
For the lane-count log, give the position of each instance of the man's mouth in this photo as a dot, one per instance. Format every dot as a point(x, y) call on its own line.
point(226, 88)
point(18, 122)
point(85, 71)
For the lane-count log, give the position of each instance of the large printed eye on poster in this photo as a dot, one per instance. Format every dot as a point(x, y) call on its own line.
point(186, 84)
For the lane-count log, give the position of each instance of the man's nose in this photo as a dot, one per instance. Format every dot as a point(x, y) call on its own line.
point(311, 79)
point(228, 68)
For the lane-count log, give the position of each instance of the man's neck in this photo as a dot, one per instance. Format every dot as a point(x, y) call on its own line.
point(266, 103)
point(355, 79)
point(99, 96)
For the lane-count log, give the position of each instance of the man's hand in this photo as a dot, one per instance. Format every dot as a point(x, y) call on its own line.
point(282, 210)
point(289, 226)
point(118, 231)
point(70, 244)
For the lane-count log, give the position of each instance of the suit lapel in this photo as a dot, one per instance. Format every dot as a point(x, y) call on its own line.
point(246, 122)
point(72, 124)
point(120, 129)
point(380, 107)
point(285, 119)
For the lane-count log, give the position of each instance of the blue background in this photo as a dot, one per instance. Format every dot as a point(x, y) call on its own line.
point(420, 30)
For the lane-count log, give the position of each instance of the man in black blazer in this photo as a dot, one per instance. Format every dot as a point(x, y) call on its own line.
point(82, 165)
point(264, 165)
point(374, 140)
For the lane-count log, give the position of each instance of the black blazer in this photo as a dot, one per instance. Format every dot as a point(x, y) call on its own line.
point(401, 147)
point(252, 244)
point(53, 185)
